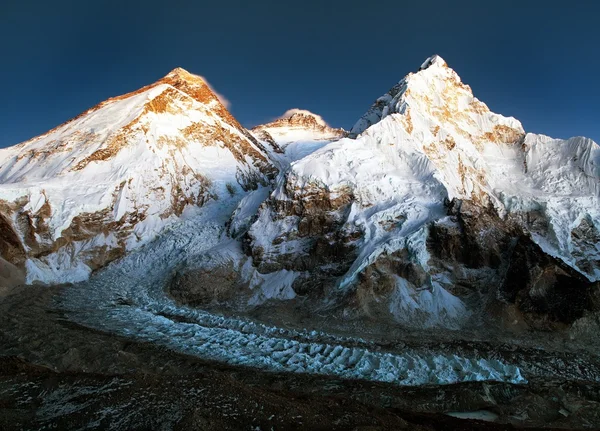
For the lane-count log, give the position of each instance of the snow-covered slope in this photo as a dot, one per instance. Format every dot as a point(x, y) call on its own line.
point(297, 133)
point(361, 212)
point(112, 178)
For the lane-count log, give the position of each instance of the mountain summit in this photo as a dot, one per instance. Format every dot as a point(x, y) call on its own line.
point(297, 120)
point(112, 178)
point(297, 133)
point(436, 198)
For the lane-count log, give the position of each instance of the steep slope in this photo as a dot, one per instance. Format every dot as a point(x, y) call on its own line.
point(226, 273)
point(434, 209)
point(112, 178)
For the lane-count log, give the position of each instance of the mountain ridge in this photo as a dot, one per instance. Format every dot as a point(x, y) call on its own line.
point(135, 160)
point(371, 218)
point(419, 215)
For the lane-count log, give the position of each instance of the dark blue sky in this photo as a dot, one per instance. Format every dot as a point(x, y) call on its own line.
point(530, 59)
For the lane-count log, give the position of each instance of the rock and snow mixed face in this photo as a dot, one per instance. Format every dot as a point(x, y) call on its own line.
point(112, 178)
point(361, 211)
point(297, 133)
point(434, 210)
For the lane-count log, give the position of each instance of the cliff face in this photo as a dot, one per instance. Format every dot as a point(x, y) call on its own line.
point(440, 212)
point(114, 177)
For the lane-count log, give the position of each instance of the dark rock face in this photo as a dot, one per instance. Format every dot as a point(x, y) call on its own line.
point(11, 248)
point(199, 287)
point(487, 261)
point(543, 288)
point(315, 220)
point(265, 136)
point(483, 238)
point(586, 240)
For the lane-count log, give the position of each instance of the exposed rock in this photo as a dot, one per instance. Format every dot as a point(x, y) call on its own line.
point(10, 276)
point(313, 221)
point(546, 288)
point(11, 247)
point(440, 213)
point(586, 243)
point(302, 120)
point(203, 286)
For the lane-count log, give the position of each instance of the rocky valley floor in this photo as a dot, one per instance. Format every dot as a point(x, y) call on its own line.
point(57, 374)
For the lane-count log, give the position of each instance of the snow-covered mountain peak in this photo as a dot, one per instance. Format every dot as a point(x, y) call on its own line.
point(112, 178)
point(426, 147)
point(297, 133)
point(435, 91)
point(297, 118)
point(193, 85)
point(295, 121)
point(181, 73)
point(303, 117)
point(434, 60)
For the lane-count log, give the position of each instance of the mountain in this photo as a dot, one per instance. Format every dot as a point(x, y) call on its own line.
point(297, 133)
point(226, 274)
point(437, 245)
point(439, 213)
point(114, 177)
point(433, 211)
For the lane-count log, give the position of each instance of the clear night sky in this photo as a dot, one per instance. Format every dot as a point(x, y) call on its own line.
point(534, 60)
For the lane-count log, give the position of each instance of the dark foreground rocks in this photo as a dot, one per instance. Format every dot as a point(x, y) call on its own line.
point(55, 374)
point(215, 398)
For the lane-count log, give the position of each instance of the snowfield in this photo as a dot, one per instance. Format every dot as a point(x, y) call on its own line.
point(133, 163)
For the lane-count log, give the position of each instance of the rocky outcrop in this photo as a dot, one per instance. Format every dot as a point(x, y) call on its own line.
point(206, 285)
point(484, 253)
point(309, 236)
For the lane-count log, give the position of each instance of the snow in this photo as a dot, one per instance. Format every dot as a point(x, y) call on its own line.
point(290, 112)
point(410, 156)
point(247, 209)
point(427, 140)
point(428, 307)
point(298, 140)
point(139, 280)
point(276, 285)
point(142, 178)
point(433, 60)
